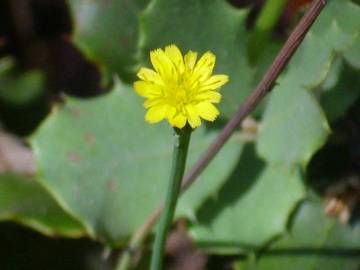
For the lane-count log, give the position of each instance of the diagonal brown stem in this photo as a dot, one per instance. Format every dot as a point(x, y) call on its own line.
point(265, 85)
point(260, 91)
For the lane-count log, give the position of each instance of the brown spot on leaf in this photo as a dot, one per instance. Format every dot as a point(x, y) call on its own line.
point(112, 185)
point(125, 41)
point(89, 138)
point(75, 111)
point(74, 157)
point(108, 2)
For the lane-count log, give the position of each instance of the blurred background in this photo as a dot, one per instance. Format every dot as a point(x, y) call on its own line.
point(41, 62)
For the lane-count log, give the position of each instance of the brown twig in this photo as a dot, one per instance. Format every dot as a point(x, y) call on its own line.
point(257, 95)
point(260, 91)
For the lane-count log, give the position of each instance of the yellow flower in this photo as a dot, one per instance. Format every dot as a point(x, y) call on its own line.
point(180, 89)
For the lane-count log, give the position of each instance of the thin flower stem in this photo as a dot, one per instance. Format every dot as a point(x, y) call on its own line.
point(257, 95)
point(181, 145)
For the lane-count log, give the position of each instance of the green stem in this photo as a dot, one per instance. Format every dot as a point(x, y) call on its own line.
point(124, 261)
point(270, 15)
point(264, 25)
point(182, 138)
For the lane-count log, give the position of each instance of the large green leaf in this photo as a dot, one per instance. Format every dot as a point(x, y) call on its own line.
point(294, 126)
point(333, 34)
point(22, 200)
point(251, 208)
point(315, 242)
point(109, 168)
point(108, 31)
point(202, 25)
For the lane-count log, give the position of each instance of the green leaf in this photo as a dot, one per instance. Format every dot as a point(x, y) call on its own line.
point(339, 98)
point(110, 169)
point(315, 242)
point(335, 32)
point(201, 26)
point(294, 126)
point(333, 75)
point(251, 208)
point(212, 178)
point(22, 200)
point(108, 32)
point(352, 55)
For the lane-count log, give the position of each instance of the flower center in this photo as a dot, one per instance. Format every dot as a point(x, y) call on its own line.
point(180, 95)
point(180, 92)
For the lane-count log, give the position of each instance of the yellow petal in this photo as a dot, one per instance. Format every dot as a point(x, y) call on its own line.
point(162, 64)
point(210, 96)
point(178, 121)
point(152, 102)
point(170, 113)
point(174, 54)
point(149, 75)
point(147, 89)
point(190, 59)
point(193, 116)
point(214, 82)
point(156, 114)
point(207, 111)
point(205, 66)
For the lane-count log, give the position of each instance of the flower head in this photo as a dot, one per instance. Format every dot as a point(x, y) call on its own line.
point(180, 89)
